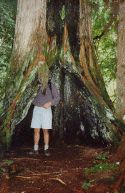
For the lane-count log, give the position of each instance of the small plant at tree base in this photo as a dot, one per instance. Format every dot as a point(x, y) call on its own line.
point(4, 165)
point(2, 170)
point(8, 162)
point(102, 156)
point(100, 168)
point(87, 184)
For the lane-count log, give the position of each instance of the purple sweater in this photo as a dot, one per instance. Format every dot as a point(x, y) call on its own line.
point(41, 99)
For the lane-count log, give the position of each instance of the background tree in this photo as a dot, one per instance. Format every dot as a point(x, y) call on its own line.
point(121, 61)
point(105, 41)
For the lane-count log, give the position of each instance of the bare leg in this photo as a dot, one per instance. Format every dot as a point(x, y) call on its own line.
point(36, 141)
point(36, 136)
point(46, 142)
point(46, 137)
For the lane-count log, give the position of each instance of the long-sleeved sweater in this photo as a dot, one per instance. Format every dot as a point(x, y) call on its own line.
point(52, 95)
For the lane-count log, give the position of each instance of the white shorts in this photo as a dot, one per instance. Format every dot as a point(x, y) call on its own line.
point(42, 118)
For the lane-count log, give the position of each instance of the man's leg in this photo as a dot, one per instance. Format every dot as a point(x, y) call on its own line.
point(36, 139)
point(46, 138)
point(46, 141)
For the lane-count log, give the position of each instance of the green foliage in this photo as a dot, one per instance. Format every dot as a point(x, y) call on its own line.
point(63, 13)
point(2, 170)
point(102, 156)
point(4, 165)
point(100, 16)
point(105, 45)
point(107, 56)
point(7, 22)
point(101, 167)
point(8, 162)
point(87, 184)
point(6, 135)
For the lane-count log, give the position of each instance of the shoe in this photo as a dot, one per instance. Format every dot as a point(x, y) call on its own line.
point(47, 153)
point(34, 152)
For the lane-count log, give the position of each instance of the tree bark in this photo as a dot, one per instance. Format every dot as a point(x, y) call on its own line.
point(121, 62)
point(92, 76)
point(30, 30)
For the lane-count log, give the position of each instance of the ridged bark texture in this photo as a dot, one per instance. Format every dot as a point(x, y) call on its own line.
point(30, 29)
point(121, 62)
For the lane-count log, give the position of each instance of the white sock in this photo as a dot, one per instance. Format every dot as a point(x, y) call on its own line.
point(36, 147)
point(46, 146)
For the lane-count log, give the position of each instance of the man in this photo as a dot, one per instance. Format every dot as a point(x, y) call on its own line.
point(42, 115)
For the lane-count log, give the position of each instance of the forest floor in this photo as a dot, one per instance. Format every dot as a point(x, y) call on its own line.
point(70, 169)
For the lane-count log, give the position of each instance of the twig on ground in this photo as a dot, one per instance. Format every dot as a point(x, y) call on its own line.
point(27, 177)
point(33, 176)
point(59, 180)
point(28, 158)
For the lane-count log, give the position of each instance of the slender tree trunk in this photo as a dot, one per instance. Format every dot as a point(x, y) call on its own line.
point(121, 62)
point(92, 76)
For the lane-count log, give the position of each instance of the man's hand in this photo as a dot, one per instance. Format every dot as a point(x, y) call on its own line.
point(47, 105)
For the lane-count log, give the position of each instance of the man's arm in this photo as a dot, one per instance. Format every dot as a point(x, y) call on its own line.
point(47, 105)
point(55, 98)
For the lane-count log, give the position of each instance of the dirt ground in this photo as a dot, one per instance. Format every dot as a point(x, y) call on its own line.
point(62, 172)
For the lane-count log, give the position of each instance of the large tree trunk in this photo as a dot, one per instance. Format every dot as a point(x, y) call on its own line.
point(121, 62)
point(27, 57)
point(95, 116)
point(81, 114)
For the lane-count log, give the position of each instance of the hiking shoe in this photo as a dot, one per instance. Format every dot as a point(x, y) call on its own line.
point(34, 152)
point(47, 153)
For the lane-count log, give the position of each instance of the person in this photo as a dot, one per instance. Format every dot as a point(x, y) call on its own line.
point(42, 115)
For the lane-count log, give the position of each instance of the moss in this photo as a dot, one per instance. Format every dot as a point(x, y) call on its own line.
point(101, 167)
